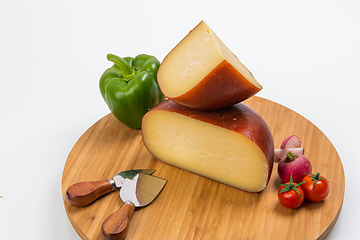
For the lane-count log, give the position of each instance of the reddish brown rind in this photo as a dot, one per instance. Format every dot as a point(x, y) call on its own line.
point(239, 118)
point(222, 87)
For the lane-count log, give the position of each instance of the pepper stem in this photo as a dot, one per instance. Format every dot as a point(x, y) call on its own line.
point(126, 70)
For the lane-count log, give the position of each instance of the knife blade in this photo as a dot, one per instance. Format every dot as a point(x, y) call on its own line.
point(83, 193)
point(137, 192)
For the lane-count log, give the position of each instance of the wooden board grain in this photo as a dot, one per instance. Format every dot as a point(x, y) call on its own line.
point(194, 207)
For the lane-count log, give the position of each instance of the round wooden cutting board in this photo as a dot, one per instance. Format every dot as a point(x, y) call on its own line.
point(194, 207)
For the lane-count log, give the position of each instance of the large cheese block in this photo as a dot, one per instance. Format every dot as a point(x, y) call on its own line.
point(201, 72)
point(232, 145)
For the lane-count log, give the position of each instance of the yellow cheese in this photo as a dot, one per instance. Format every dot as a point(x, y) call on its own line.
point(201, 65)
point(206, 149)
point(194, 57)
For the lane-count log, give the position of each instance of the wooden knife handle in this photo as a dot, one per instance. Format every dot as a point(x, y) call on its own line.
point(115, 227)
point(83, 193)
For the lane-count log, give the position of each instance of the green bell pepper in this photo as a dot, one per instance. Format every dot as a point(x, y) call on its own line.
point(130, 87)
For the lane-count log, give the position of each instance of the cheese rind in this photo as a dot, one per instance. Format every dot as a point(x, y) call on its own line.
point(201, 72)
point(223, 145)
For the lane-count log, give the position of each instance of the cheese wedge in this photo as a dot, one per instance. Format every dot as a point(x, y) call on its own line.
point(233, 145)
point(202, 73)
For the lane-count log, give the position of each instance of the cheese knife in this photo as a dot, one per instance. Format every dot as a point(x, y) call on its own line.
point(83, 193)
point(136, 192)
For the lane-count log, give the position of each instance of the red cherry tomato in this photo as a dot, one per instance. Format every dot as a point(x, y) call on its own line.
point(291, 194)
point(316, 187)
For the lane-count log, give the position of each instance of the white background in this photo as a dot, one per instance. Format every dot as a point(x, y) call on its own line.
point(52, 53)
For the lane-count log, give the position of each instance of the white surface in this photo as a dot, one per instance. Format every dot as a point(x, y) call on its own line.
point(52, 53)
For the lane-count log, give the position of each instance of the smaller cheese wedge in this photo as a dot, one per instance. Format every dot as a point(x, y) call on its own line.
point(202, 73)
point(233, 145)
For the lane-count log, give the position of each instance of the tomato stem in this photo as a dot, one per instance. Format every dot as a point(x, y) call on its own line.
point(291, 186)
point(316, 178)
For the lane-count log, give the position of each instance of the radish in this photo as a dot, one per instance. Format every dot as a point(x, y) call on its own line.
point(292, 141)
point(280, 153)
point(290, 144)
point(297, 165)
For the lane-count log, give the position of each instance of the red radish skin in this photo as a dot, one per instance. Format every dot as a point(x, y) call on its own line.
point(292, 141)
point(297, 165)
point(292, 144)
point(280, 153)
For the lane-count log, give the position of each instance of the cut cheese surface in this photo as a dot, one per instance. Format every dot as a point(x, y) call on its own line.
point(200, 59)
point(206, 149)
